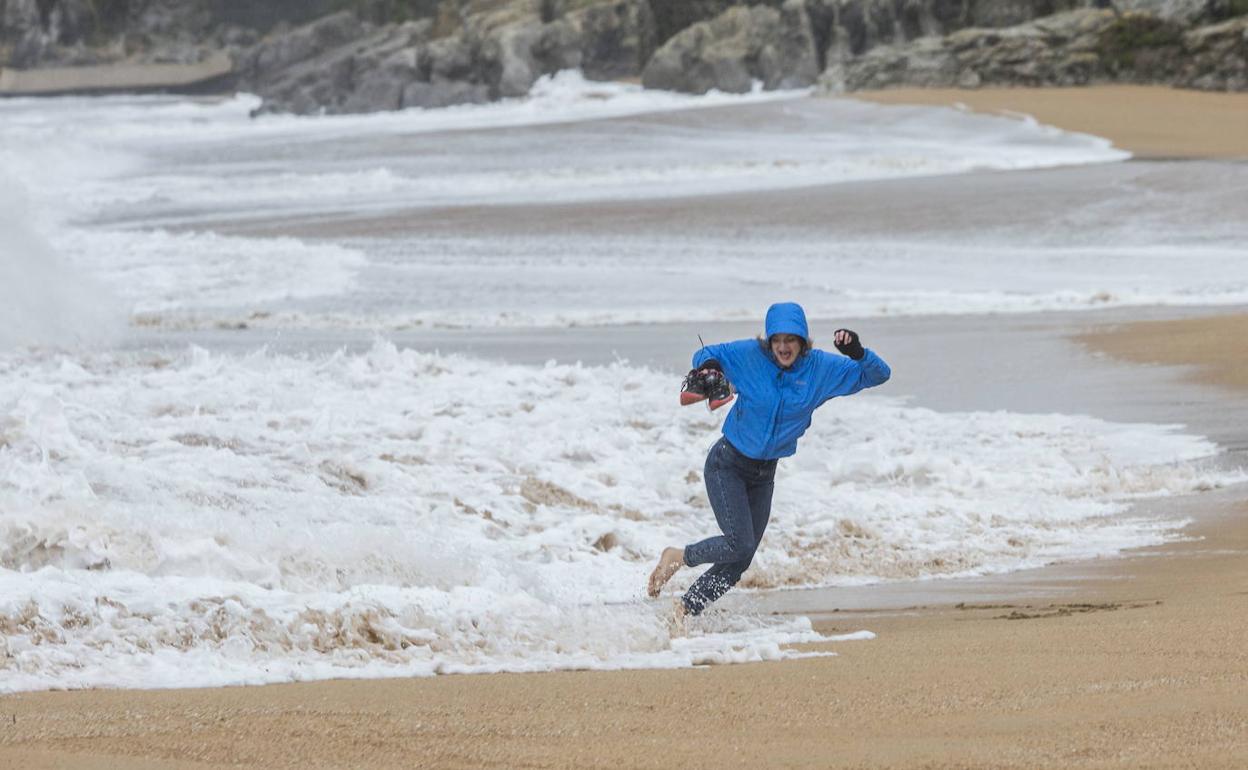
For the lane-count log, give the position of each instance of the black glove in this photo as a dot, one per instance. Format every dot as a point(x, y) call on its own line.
point(852, 348)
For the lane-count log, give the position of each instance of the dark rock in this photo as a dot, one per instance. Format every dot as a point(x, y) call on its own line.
point(731, 51)
point(507, 59)
point(443, 93)
point(796, 60)
point(1140, 47)
point(474, 50)
point(263, 16)
point(927, 62)
point(35, 32)
point(341, 64)
point(712, 54)
point(380, 88)
point(518, 54)
point(674, 16)
point(76, 32)
point(1057, 50)
point(450, 58)
point(846, 28)
point(1009, 13)
point(558, 47)
point(617, 39)
point(1216, 57)
point(1181, 11)
point(1073, 48)
point(268, 61)
point(336, 64)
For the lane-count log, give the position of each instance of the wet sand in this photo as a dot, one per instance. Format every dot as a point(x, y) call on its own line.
point(1132, 662)
point(127, 77)
point(1214, 350)
point(1149, 121)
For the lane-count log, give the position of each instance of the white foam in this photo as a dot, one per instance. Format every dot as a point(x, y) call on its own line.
point(156, 162)
point(44, 300)
point(560, 281)
point(174, 160)
point(673, 164)
point(55, 145)
point(856, 142)
point(210, 519)
point(563, 97)
point(147, 163)
point(160, 271)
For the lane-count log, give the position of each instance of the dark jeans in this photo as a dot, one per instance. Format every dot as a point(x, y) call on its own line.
point(740, 491)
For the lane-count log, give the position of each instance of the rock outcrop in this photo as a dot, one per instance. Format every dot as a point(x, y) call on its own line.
point(340, 64)
point(59, 33)
point(1216, 57)
point(736, 48)
point(714, 52)
point(390, 54)
point(1068, 49)
point(1061, 50)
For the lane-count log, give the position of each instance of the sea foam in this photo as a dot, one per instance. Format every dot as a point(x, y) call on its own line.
point(151, 196)
point(201, 518)
point(44, 299)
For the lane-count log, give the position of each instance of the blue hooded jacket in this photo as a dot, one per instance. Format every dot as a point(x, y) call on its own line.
point(774, 405)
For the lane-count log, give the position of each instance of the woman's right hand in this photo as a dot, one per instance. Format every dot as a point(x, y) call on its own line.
point(706, 382)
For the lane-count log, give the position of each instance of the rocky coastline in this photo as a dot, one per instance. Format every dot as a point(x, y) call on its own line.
point(351, 56)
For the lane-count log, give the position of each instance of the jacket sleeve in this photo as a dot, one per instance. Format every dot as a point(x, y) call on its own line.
point(728, 354)
point(843, 376)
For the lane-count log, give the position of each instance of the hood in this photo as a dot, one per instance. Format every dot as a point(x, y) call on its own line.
point(786, 318)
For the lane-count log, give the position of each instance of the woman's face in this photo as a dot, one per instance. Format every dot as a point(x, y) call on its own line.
point(786, 347)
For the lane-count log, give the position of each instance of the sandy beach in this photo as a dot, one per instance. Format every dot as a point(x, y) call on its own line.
point(1123, 663)
point(1213, 349)
point(1148, 121)
point(1133, 662)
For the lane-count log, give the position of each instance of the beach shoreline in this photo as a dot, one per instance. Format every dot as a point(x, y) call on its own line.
point(1133, 662)
point(1151, 122)
point(1124, 662)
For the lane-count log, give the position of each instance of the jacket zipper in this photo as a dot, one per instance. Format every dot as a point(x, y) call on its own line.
point(775, 424)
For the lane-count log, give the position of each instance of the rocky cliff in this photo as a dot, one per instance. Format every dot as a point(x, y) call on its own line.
point(1067, 49)
point(342, 64)
point(366, 55)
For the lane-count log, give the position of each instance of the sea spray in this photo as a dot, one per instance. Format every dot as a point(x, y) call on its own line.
point(45, 300)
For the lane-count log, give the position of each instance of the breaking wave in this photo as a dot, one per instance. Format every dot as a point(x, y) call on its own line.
point(202, 518)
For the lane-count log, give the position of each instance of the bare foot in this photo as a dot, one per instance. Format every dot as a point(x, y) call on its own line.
point(671, 561)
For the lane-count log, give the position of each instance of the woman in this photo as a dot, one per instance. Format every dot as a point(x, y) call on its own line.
point(780, 381)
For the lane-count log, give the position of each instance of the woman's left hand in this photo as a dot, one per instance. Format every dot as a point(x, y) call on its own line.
point(847, 342)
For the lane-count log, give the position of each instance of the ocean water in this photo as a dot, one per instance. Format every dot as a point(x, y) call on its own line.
point(178, 514)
